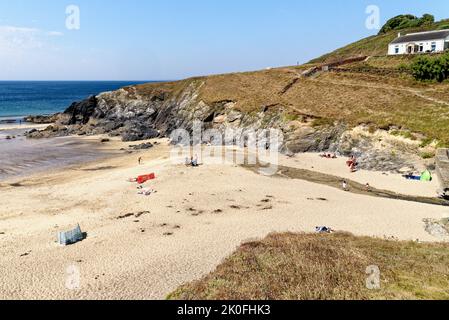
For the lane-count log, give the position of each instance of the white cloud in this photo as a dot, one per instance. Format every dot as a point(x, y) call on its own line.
point(13, 38)
point(21, 38)
point(55, 34)
point(23, 48)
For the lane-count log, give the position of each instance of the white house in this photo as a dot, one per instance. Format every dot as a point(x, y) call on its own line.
point(421, 42)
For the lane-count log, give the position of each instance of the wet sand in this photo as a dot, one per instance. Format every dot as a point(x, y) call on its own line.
point(20, 156)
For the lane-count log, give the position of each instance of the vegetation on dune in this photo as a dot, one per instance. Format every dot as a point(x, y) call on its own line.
point(325, 267)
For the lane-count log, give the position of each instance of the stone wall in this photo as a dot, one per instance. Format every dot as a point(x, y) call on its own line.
point(442, 162)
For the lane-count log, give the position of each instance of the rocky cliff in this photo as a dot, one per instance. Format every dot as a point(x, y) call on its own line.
point(349, 110)
point(135, 116)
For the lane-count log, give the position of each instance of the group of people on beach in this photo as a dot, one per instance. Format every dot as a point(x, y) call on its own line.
point(328, 155)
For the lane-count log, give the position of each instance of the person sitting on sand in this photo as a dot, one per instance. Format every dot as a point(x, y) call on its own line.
point(194, 161)
point(368, 188)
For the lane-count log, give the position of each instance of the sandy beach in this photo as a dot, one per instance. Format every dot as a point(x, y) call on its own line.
point(144, 247)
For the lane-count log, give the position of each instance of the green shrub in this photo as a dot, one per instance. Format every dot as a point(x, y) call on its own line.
point(427, 155)
point(322, 122)
point(426, 142)
point(406, 21)
point(426, 68)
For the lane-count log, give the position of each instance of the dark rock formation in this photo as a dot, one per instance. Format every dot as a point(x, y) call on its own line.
point(143, 146)
point(137, 115)
point(42, 119)
point(81, 112)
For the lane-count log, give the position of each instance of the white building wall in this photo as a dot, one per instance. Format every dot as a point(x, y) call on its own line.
point(401, 48)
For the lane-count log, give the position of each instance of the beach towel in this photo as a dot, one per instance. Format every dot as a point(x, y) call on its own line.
point(412, 177)
point(144, 178)
point(146, 192)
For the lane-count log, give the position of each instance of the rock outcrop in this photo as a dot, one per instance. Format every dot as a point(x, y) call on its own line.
point(135, 114)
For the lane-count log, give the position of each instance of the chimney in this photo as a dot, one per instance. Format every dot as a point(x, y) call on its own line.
point(399, 35)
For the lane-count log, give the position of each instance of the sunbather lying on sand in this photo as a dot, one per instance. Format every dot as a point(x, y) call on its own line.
point(328, 155)
point(146, 191)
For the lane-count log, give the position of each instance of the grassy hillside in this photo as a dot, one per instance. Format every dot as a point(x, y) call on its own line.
point(373, 92)
point(376, 92)
point(325, 267)
point(375, 45)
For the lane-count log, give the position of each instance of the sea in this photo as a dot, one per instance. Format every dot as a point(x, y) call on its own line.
point(19, 156)
point(22, 98)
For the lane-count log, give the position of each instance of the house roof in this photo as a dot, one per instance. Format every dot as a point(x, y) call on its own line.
point(422, 36)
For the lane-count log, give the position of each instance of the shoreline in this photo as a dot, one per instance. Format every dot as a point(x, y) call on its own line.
point(23, 126)
point(21, 157)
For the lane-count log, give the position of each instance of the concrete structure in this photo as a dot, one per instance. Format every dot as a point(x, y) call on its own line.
point(421, 42)
point(442, 162)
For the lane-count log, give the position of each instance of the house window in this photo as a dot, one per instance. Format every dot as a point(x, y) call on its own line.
point(421, 47)
point(434, 47)
point(396, 50)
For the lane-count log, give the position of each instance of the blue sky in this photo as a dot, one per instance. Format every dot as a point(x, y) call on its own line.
point(173, 39)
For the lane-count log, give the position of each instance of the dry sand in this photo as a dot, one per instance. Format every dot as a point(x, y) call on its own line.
point(197, 218)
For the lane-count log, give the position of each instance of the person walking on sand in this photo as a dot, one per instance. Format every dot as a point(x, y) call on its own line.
point(140, 160)
point(345, 185)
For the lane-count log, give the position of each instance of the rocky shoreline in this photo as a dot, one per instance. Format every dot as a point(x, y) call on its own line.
point(134, 115)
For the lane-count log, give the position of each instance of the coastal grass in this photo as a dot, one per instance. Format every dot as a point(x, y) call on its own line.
point(375, 92)
point(375, 45)
point(292, 266)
